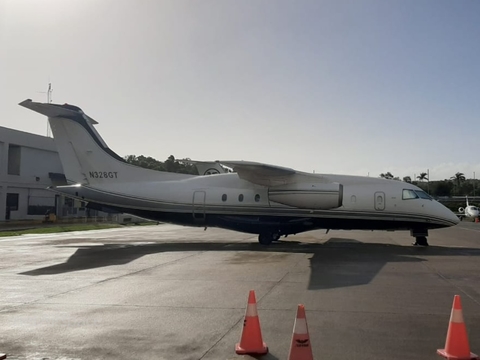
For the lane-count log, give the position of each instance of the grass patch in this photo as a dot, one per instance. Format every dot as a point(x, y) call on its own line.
point(59, 229)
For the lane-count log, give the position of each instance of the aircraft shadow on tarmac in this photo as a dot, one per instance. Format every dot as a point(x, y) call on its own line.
point(339, 262)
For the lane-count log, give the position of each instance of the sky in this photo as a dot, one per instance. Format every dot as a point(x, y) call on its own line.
point(346, 87)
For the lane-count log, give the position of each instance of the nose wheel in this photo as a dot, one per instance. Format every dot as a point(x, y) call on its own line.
point(420, 236)
point(421, 241)
point(268, 238)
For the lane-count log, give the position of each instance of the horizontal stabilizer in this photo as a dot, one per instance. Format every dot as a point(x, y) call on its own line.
point(55, 110)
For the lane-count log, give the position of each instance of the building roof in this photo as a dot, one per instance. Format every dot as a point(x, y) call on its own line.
point(22, 138)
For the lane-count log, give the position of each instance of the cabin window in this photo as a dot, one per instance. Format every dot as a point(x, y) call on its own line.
point(240, 197)
point(224, 197)
point(257, 198)
point(353, 199)
point(409, 194)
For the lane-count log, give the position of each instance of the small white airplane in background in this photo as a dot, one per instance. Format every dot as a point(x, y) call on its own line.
point(267, 200)
point(207, 167)
point(469, 211)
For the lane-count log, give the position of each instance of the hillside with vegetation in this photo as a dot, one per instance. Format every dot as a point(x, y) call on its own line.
point(457, 185)
point(169, 165)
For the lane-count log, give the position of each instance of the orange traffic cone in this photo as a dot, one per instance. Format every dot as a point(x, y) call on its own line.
point(251, 341)
point(300, 348)
point(456, 344)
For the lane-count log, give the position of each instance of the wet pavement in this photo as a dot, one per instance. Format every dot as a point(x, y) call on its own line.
point(168, 292)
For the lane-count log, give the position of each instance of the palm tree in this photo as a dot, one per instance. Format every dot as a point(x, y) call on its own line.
point(458, 178)
point(407, 179)
point(422, 176)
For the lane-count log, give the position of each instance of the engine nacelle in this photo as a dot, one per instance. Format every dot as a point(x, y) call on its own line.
point(315, 196)
point(461, 210)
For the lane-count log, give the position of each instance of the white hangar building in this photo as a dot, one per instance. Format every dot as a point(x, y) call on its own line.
point(30, 163)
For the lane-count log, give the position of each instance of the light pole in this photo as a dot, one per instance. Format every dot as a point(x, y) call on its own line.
point(428, 181)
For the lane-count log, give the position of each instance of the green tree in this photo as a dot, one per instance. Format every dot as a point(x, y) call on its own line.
point(442, 188)
point(170, 165)
point(407, 179)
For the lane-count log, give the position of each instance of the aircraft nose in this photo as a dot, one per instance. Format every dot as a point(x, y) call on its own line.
point(452, 217)
point(448, 215)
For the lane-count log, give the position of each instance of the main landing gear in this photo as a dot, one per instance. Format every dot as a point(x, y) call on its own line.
point(420, 237)
point(268, 238)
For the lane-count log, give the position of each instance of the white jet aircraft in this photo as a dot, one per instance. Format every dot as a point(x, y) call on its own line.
point(267, 200)
point(469, 211)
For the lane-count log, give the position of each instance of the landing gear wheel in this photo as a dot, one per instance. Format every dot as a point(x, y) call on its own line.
point(421, 241)
point(265, 238)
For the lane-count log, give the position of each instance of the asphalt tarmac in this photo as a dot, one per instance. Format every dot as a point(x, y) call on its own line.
point(168, 292)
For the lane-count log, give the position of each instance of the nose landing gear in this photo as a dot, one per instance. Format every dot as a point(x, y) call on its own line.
point(420, 237)
point(421, 241)
point(268, 237)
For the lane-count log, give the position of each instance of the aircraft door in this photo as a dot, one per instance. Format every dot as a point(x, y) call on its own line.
point(199, 207)
point(379, 200)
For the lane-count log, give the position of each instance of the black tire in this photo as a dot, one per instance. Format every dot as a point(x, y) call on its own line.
point(421, 240)
point(265, 238)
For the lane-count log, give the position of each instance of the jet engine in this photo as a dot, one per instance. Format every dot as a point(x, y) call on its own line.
point(317, 196)
point(461, 210)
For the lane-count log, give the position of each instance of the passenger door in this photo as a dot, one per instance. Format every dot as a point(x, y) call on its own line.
point(379, 201)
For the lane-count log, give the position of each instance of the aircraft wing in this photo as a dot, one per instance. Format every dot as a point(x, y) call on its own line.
point(262, 174)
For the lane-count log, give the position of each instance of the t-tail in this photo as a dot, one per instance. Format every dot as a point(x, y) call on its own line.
point(85, 157)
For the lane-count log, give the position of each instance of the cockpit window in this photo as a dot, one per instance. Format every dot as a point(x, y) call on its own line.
point(423, 195)
point(409, 194)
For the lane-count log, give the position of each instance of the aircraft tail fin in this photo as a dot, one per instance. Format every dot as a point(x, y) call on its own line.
point(85, 156)
point(466, 197)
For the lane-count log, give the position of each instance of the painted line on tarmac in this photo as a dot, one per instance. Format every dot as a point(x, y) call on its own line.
point(82, 233)
point(68, 234)
point(464, 228)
